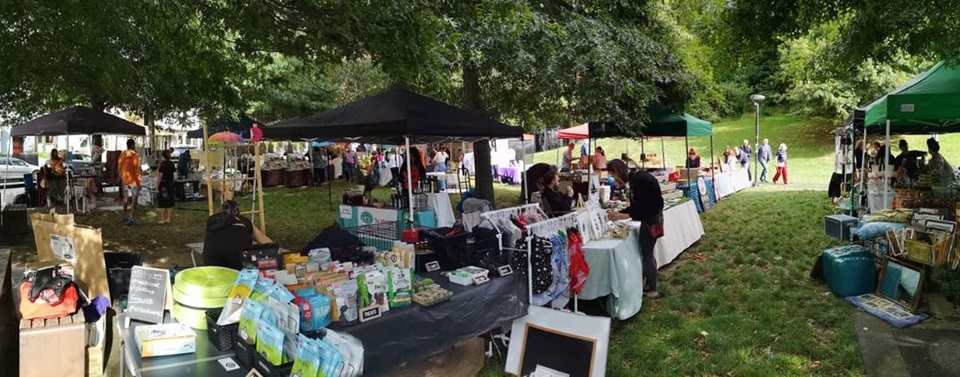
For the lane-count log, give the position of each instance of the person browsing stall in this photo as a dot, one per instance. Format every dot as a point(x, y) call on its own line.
point(646, 206)
point(130, 175)
point(568, 158)
point(417, 171)
point(165, 189)
point(228, 234)
point(556, 204)
point(56, 178)
point(743, 158)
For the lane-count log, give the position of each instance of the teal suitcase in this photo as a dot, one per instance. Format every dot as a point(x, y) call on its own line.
point(830, 257)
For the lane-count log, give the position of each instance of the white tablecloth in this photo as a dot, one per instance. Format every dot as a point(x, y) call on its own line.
point(615, 265)
point(440, 203)
point(730, 182)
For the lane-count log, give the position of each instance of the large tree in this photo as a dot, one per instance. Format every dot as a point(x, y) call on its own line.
point(529, 64)
point(152, 57)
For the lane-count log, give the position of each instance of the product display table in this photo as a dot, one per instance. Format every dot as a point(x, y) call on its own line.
point(730, 182)
point(206, 361)
point(272, 177)
point(615, 264)
point(413, 333)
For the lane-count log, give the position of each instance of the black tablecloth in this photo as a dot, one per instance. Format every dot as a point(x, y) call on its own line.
point(414, 333)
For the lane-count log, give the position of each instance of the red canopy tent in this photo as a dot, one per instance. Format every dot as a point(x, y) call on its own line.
point(579, 132)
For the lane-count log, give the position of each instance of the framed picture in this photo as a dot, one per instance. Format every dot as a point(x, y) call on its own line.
point(942, 225)
point(564, 343)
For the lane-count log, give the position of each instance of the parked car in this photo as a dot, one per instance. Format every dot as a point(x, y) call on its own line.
point(15, 168)
point(178, 150)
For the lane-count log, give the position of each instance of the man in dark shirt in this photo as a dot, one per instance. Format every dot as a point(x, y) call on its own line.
point(556, 203)
point(646, 206)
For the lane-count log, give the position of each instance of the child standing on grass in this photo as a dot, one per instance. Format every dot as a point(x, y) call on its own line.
point(781, 164)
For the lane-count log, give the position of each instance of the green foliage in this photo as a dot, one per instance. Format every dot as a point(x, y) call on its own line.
point(144, 56)
point(286, 87)
point(815, 86)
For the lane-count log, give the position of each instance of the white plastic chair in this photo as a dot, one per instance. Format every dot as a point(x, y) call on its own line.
point(78, 197)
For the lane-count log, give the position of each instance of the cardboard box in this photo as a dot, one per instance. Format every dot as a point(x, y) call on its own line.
point(166, 339)
point(689, 174)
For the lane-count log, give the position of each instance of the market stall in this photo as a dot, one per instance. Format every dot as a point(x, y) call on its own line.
point(474, 300)
point(397, 117)
point(79, 120)
point(925, 105)
point(662, 124)
point(615, 264)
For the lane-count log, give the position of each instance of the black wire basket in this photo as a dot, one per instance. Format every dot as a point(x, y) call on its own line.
point(222, 337)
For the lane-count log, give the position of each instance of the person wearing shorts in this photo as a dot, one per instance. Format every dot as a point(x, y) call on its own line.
point(129, 166)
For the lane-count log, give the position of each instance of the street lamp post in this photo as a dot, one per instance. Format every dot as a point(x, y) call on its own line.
point(757, 99)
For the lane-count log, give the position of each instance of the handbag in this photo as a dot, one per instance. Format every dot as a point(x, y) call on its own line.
point(656, 227)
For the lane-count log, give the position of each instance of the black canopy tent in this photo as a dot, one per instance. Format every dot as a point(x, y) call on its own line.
point(391, 117)
point(397, 116)
point(77, 120)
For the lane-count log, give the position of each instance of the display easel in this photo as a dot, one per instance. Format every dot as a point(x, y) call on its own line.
point(256, 213)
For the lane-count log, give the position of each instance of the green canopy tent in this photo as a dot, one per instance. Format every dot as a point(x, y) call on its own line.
point(930, 103)
point(663, 123)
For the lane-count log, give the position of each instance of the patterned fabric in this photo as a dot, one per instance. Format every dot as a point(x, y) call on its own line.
point(541, 263)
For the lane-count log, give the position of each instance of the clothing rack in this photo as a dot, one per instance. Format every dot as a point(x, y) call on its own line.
point(545, 229)
point(505, 214)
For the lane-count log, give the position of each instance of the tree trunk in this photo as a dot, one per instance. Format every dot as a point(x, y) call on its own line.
point(148, 120)
point(472, 101)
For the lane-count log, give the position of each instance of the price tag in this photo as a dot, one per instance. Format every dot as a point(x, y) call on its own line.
point(228, 364)
point(369, 313)
point(478, 280)
point(433, 266)
point(505, 270)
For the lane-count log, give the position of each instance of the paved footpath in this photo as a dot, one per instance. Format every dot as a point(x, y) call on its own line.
point(925, 349)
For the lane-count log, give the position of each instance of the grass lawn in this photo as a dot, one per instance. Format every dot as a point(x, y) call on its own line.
point(740, 301)
point(294, 218)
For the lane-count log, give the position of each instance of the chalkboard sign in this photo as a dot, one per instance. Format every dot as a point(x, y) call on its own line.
point(562, 352)
point(149, 293)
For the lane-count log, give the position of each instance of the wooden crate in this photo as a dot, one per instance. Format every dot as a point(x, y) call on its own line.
point(53, 347)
